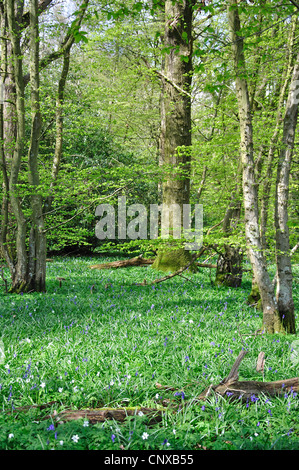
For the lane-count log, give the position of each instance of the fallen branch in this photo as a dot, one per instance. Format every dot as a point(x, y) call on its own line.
point(260, 364)
point(206, 265)
point(169, 276)
point(294, 249)
point(232, 388)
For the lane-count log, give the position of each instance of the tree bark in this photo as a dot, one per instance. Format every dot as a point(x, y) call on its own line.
point(229, 267)
point(37, 238)
point(229, 264)
point(283, 256)
point(27, 264)
point(20, 269)
point(271, 317)
point(175, 139)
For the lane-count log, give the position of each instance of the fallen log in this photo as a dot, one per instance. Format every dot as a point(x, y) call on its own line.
point(105, 414)
point(137, 261)
point(251, 389)
point(230, 387)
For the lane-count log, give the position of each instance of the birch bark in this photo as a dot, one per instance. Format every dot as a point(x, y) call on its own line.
point(271, 317)
point(283, 256)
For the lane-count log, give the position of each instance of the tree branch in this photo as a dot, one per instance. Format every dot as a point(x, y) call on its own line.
point(83, 210)
point(42, 6)
point(295, 4)
point(65, 45)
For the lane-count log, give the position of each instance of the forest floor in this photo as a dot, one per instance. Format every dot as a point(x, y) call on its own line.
point(96, 339)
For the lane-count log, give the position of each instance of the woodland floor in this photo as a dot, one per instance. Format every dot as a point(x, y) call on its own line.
point(98, 340)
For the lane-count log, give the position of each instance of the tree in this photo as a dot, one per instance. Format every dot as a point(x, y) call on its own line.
point(229, 263)
point(175, 140)
point(27, 263)
point(275, 318)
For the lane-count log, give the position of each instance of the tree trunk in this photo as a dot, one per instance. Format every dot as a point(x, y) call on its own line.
point(254, 298)
point(28, 271)
point(20, 269)
point(27, 263)
point(229, 264)
point(37, 239)
point(267, 183)
point(229, 267)
point(176, 103)
point(175, 139)
point(283, 256)
point(271, 317)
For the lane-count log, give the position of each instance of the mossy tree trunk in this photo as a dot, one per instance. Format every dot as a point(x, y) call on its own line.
point(254, 298)
point(173, 260)
point(175, 139)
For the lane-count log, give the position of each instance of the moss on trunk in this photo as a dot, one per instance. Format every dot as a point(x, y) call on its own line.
point(254, 298)
point(173, 260)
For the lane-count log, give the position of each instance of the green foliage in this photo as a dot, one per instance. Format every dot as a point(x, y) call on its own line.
point(112, 117)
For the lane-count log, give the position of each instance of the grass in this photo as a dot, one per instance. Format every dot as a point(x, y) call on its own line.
point(108, 345)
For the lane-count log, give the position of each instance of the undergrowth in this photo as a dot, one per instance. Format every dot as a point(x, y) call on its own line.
point(100, 340)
